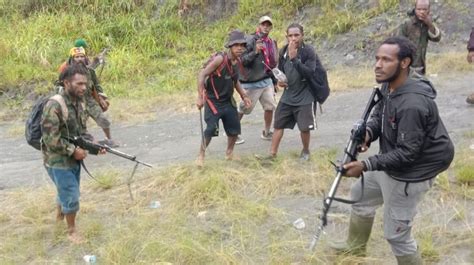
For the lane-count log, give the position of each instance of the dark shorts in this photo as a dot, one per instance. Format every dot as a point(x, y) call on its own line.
point(230, 119)
point(67, 183)
point(286, 116)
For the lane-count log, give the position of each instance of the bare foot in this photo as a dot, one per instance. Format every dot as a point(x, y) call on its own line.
point(75, 238)
point(229, 157)
point(200, 161)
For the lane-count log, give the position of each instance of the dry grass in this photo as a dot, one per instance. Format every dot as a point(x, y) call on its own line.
point(449, 62)
point(237, 212)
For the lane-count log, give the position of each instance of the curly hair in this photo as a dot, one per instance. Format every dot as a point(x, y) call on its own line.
point(406, 48)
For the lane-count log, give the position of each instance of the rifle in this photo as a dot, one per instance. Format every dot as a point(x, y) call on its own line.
point(350, 154)
point(99, 59)
point(101, 98)
point(93, 148)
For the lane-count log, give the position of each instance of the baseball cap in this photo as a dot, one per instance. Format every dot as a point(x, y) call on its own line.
point(265, 18)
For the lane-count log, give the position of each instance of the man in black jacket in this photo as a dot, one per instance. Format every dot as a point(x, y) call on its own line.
point(414, 148)
point(298, 61)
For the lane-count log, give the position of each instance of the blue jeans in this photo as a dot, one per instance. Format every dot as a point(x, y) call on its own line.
point(67, 183)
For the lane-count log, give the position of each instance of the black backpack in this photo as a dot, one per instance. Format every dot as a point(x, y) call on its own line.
point(33, 131)
point(319, 83)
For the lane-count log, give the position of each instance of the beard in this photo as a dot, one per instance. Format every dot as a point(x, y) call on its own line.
point(81, 63)
point(393, 77)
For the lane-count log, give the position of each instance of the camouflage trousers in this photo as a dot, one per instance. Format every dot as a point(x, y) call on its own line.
point(93, 110)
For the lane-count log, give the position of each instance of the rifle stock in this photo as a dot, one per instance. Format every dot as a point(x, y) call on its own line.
point(350, 154)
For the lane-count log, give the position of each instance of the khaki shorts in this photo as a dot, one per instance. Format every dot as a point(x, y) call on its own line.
point(265, 95)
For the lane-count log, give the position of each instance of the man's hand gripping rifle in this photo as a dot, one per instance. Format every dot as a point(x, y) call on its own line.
point(94, 149)
point(85, 143)
point(351, 152)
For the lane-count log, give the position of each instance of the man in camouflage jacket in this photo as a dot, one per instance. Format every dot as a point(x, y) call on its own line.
point(419, 28)
point(61, 119)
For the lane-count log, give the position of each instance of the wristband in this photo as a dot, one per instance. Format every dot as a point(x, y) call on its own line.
point(364, 166)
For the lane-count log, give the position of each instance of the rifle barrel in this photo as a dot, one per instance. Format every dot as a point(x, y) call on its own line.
point(126, 156)
point(350, 154)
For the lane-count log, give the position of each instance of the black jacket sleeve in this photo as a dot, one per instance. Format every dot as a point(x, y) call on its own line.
point(305, 61)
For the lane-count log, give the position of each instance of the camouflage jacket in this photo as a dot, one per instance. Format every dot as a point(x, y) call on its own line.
point(92, 107)
point(418, 33)
point(57, 151)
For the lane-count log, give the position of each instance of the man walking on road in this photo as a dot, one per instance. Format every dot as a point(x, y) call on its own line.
point(419, 28)
point(298, 62)
point(470, 59)
point(216, 83)
point(414, 148)
point(95, 108)
point(61, 158)
point(258, 60)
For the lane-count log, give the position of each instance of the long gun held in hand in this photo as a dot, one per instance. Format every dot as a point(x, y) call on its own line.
point(94, 149)
point(350, 154)
point(99, 59)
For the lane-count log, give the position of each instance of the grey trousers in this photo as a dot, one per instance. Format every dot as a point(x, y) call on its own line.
point(399, 210)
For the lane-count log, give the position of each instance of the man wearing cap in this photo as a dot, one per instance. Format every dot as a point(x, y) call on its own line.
point(77, 55)
point(258, 60)
point(216, 83)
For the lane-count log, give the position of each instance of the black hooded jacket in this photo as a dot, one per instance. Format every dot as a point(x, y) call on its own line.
point(414, 144)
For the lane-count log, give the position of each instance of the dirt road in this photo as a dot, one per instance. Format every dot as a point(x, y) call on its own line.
point(175, 138)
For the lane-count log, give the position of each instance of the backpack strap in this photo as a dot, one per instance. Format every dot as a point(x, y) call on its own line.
point(65, 112)
point(218, 71)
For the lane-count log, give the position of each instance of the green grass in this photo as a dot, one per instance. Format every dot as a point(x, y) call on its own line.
point(249, 209)
point(154, 52)
point(464, 167)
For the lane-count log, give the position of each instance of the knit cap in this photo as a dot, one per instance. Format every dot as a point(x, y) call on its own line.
point(80, 43)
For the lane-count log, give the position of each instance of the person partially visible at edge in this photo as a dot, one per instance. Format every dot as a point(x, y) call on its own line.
point(260, 57)
point(414, 148)
point(419, 28)
point(61, 158)
point(216, 83)
point(470, 59)
point(77, 55)
point(297, 61)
